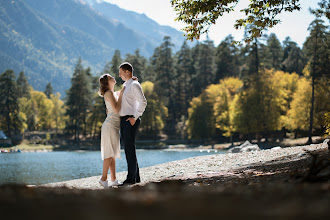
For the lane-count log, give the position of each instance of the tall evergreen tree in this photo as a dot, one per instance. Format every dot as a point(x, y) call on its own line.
point(152, 67)
point(288, 45)
point(139, 64)
point(184, 68)
point(165, 83)
point(23, 87)
point(78, 100)
point(274, 58)
point(206, 65)
point(317, 50)
point(253, 62)
point(293, 59)
point(49, 90)
point(195, 55)
point(9, 105)
point(112, 67)
point(226, 59)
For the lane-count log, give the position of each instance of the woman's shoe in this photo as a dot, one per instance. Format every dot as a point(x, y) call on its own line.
point(104, 183)
point(115, 183)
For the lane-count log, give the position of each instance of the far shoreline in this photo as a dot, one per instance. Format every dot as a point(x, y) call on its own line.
point(33, 148)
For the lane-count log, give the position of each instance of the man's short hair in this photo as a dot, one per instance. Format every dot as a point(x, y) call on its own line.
point(126, 66)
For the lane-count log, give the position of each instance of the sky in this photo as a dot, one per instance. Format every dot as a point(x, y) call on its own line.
point(294, 24)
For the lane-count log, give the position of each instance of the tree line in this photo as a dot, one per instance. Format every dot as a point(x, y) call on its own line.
point(200, 92)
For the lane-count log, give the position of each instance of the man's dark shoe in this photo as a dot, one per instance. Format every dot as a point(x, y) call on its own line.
point(128, 183)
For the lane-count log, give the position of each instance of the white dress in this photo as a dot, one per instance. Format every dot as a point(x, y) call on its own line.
point(110, 144)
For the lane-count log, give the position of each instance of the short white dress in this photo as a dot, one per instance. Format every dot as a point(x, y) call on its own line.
point(110, 142)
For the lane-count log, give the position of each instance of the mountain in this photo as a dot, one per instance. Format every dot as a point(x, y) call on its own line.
point(139, 23)
point(45, 38)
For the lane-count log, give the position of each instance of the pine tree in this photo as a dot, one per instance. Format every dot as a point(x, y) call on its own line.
point(226, 59)
point(9, 106)
point(185, 72)
point(293, 58)
point(317, 50)
point(23, 86)
point(49, 90)
point(112, 67)
point(206, 65)
point(139, 64)
point(78, 100)
point(165, 83)
point(195, 55)
point(274, 58)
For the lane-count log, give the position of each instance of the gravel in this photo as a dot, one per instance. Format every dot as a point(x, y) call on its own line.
point(203, 165)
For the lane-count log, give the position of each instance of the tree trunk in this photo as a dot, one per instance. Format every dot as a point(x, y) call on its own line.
point(313, 85)
point(311, 112)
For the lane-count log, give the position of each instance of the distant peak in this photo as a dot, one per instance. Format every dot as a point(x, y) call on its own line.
point(92, 2)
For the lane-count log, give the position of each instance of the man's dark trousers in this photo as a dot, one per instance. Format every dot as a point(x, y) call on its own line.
point(127, 136)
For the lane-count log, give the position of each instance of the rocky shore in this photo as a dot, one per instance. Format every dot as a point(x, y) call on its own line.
point(207, 166)
point(279, 183)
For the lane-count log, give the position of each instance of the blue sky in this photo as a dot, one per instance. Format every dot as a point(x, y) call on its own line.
point(293, 24)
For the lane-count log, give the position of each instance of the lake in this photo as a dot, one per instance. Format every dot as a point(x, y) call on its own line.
point(47, 167)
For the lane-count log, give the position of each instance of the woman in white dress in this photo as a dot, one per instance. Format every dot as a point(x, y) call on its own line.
point(110, 146)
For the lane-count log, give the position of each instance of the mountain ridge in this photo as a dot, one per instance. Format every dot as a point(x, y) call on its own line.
point(45, 38)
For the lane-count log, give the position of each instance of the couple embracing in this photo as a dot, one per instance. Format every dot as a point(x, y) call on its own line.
point(124, 109)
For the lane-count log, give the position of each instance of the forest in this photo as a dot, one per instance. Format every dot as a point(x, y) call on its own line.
point(264, 89)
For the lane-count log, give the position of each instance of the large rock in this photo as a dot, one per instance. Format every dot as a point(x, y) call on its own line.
point(246, 147)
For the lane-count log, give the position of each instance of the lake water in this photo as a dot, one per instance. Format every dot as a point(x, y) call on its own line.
point(48, 167)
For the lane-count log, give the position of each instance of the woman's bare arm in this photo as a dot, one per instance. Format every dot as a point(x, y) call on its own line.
point(116, 105)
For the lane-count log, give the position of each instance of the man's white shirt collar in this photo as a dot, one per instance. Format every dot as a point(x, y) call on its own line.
point(128, 82)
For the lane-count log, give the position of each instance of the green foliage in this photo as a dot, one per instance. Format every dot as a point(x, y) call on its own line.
point(224, 105)
point(9, 108)
point(227, 60)
point(327, 123)
point(185, 70)
point(78, 100)
point(166, 81)
point(49, 90)
point(112, 67)
point(275, 52)
point(324, 9)
point(58, 112)
point(139, 63)
point(202, 92)
point(200, 15)
point(317, 49)
point(155, 114)
point(205, 70)
point(96, 115)
point(201, 121)
point(23, 86)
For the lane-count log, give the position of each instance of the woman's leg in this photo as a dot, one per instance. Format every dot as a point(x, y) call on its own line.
point(106, 165)
point(113, 169)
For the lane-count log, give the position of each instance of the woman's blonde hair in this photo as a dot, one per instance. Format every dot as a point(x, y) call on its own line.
point(104, 85)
